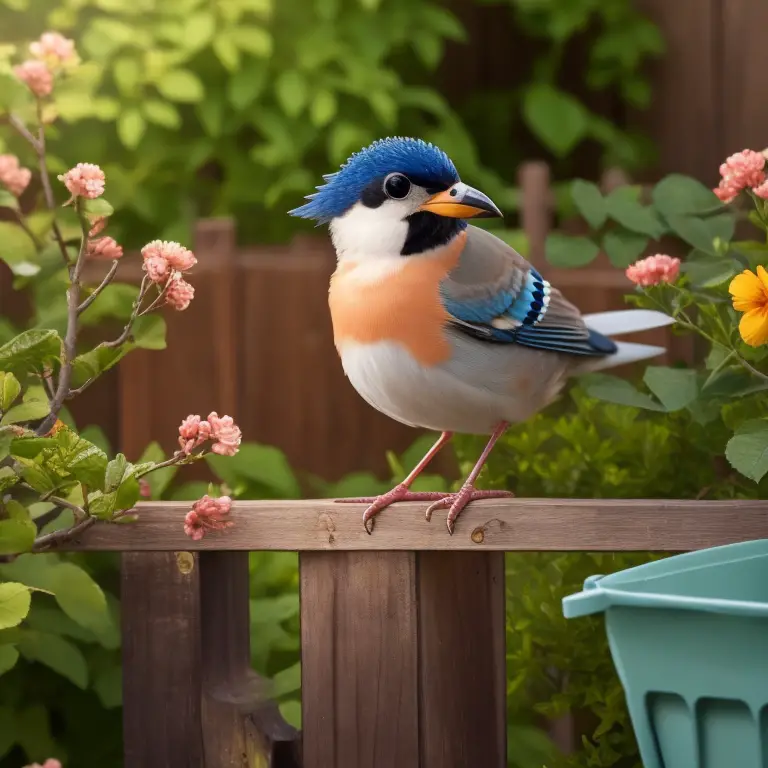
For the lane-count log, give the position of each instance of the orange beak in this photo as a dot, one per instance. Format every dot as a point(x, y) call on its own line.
point(461, 202)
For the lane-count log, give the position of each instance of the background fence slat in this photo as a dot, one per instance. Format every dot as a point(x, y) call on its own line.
point(359, 660)
point(462, 659)
point(161, 660)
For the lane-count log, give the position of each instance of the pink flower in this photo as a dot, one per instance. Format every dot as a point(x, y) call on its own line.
point(36, 76)
point(225, 433)
point(97, 226)
point(179, 292)
point(84, 180)
point(104, 248)
point(739, 171)
point(193, 432)
point(12, 176)
point(179, 257)
point(157, 269)
point(207, 514)
point(54, 49)
point(761, 190)
point(145, 490)
point(654, 270)
point(51, 762)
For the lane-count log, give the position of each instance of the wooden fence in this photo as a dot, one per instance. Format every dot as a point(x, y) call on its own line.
point(402, 632)
point(257, 343)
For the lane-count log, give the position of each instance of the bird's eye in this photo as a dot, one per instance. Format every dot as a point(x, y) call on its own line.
point(397, 186)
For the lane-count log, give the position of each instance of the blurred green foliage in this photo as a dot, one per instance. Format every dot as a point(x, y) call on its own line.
point(239, 106)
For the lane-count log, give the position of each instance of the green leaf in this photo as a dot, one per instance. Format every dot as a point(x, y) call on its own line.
point(131, 127)
point(623, 247)
point(16, 246)
point(747, 450)
point(31, 349)
point(244, 87)
point(590, 202)
point(701, 233)
point(59, 654)
point(7, 200)
point(623, 207)
point(32, 408)
point(8, 658)
point(115, 473)
point(676, 194)
point(262, 464)
point(99, 207)
point(707, 272)
point(323, 108)
point(674, 387)
point(292, 92)
point(16, 510)
point(566, 251)
point(100, 359)
point(9, 390)
point(557, 119)
point(615, 390)
point(159, 479)
point(38, 477)
point(181, 85)
point(226, 51)
point(253, 40)
point(149, 332)
point(15, 600)
point(287, 681)
point(12, 93)
point(16, 536)
point(211, 114)
point(109, 687)
point(161, 113)
point(80, 597)
point(84, 460)
point(198, 30)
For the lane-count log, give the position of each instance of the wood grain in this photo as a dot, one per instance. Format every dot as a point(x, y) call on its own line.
point(504, 524)
point(161, 661)
point(242, 726)
point(359, 660)
point(462, 661)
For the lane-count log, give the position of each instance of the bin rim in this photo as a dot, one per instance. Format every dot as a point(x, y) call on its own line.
point(603, 592)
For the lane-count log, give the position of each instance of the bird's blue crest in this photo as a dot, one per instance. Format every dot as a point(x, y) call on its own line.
point(413, 157)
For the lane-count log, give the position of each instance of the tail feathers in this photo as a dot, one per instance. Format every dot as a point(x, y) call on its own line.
point(626, 352)
point(626, 321)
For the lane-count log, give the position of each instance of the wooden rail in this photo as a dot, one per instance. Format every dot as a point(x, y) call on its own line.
point(402, 632)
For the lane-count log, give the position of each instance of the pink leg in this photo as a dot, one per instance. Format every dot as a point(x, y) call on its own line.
point(457, 501)
point(400, 492)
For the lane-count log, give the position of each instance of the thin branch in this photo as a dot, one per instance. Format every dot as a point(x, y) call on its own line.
point(123, 337)
point(51, 539)
point(104, 283)
point(70, 340)
point(18, 125)
point(59, 502)
point(177, 458)
point(158, 301)
point(38, 145)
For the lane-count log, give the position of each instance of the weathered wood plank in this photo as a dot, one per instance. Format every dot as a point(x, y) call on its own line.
point(241, 725)
point(161, 660)
point(504, 524)
point(462, 661)
point(359, 660)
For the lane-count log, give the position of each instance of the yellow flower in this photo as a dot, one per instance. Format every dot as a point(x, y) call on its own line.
point(750, 295)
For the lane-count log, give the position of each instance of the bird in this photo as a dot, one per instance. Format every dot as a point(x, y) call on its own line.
point(438, 323)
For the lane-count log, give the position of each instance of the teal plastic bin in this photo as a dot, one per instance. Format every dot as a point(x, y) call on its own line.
point(689, 638)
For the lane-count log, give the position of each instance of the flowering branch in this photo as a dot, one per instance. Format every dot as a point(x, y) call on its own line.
point(102, 285)
point(70, 339)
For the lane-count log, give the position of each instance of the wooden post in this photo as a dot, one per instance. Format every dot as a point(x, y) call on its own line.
point(161, 660)
point(403, 660)
point(241, 726)
point(535, 208)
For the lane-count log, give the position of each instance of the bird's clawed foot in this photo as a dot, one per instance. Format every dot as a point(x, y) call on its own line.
point(455, 502)
point(377, 503)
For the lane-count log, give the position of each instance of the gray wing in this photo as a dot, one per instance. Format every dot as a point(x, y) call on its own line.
point(496, 295)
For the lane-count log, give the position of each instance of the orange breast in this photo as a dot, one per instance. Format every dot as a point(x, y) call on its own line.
point(403, 306)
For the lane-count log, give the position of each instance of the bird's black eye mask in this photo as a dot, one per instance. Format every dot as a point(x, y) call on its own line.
point(373, 194)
